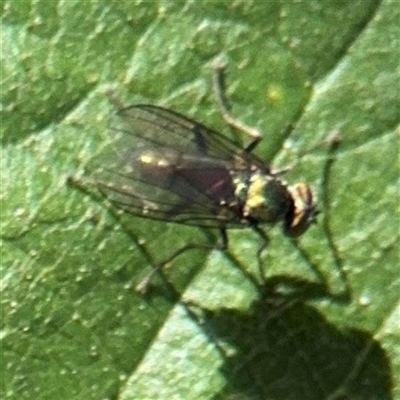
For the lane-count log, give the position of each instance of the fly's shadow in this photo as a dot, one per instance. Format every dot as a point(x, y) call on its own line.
point(289, 351)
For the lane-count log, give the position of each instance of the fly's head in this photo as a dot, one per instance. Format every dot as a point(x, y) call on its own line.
point(303, 211)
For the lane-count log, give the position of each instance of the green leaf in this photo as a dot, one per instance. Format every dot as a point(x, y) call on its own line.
point(72, 324)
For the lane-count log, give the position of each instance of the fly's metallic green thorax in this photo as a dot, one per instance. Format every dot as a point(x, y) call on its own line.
point(265, 198)
point(172, 168)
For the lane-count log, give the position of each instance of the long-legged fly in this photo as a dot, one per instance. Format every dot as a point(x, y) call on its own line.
point(165, 166)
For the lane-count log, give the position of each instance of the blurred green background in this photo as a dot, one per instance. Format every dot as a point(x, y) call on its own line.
point(72, 325)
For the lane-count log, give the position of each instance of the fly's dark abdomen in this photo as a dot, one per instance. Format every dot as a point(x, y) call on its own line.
point(191, 178)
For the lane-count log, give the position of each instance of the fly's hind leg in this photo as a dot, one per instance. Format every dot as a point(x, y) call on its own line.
point(332, 139)
point(144, 285)
point(219, 89)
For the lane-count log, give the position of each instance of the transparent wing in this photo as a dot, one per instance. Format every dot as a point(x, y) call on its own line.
point(162, 165)
point(156, 126)
point(165, 205)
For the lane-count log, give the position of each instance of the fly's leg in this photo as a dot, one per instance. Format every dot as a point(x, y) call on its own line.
point(261, 249)
point(254, 133)
point(332, 141)
point(87, 189)
point(219, 88)
point(113, 98)
point(143, 286)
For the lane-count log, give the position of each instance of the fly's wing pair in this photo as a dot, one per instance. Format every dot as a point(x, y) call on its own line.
point(164, 166)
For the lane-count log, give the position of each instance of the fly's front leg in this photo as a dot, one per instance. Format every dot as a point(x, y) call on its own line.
point(143, 286)
point(332, 141)
point(219, 88)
